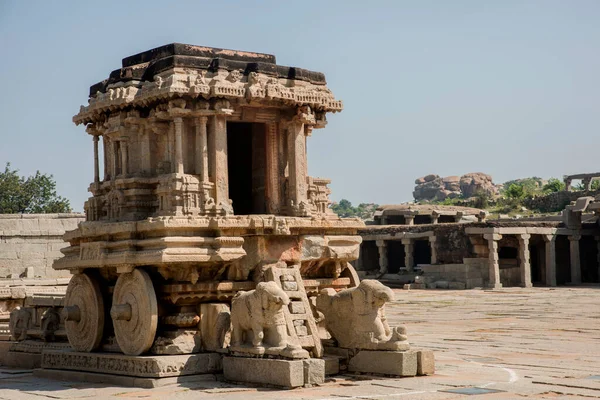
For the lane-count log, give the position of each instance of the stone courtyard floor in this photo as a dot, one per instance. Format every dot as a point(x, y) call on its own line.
point(535, 343)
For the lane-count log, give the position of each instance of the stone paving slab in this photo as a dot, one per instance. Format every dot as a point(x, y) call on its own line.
point(533, 343)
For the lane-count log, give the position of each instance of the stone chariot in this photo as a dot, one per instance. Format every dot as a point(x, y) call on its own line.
point(201, 191)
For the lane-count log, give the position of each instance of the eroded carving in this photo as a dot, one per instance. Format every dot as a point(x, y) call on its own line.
point(356, 317)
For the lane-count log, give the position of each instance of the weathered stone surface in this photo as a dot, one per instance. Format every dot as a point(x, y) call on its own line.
point(356, 317)
point(314, 371)
point(398, 363)
point(425, 362)
point(215, 326)
point(433, 187)
point(332, 365)
point(138, 366)
point(281, 373)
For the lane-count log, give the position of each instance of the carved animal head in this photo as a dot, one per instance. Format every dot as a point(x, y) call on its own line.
point(272, 297)
point(374, 294)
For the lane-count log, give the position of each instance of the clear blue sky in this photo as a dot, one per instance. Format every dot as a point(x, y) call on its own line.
point(510, 88)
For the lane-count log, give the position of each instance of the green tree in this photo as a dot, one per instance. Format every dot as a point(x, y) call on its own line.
point(345, 209)
point(32, 195)
point(515, 191)
point(554, 185)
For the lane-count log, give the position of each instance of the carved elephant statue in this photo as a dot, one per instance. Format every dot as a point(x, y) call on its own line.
point(356, 317)
point(20, 322)
point(257, 316)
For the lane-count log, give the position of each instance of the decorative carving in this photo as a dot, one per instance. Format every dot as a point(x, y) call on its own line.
point(20, 321)
point(356, 317)
point(259, 325)
point(134, 312)
point(50, 324)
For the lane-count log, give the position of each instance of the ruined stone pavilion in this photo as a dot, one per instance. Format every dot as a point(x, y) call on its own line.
point(203, 218)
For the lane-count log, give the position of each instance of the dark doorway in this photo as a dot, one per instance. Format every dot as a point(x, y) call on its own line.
point(246, 162)
point(422, 252)
point(563, 260)
point(445, 219)
point(395, 253)
point(537, 257)
point(369, 256)
point(395, 220)
point(422, 219)
point(588, 251)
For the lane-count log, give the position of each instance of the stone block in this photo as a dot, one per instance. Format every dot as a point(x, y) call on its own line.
point(425, 362)
point(17, 359)
point(297, 307)
point(314, 371)
point(281, 373)
point(397, 363)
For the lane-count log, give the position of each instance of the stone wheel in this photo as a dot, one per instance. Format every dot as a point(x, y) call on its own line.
point(134, 312)
point(350, 272)
point(84, 313)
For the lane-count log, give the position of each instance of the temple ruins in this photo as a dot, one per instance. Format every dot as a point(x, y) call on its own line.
point(206, 246)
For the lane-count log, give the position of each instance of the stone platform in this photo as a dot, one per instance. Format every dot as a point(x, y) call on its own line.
point(120, 365)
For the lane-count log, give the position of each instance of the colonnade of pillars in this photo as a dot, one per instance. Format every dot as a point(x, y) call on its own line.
point(524, 259)
point(409, 259)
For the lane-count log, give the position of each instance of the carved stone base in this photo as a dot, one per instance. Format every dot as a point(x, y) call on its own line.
point(290, 352)
point(286, 374)
point(28, 353)
point(135, 366)
point(120, 380)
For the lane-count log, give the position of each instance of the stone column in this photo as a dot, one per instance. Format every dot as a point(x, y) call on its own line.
point(273, 178)
point(383, 258)
point(550, 259)
point(524, 260)
point(383, 220)
point(106, 151)
point(96, 166)
point(567, 184)
point(297, 164)
point(114, 160)
point(146, 156)
point(587, 184)
point(434, 217)
point(124, 157)
point(432, 240)
point(409, 259)
point(178, 122)
point(218, 159)
point(494, 265)
point(409, 219)
point(575, 259)
point(201, 149)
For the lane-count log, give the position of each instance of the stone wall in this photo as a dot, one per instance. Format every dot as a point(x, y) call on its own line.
point(557, 201)
point(29, 243)
point(473, 273)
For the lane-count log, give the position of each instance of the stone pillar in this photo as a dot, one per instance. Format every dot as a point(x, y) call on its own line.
point(550, 259)
point(432, 240)
point(383, 258)
point(106, 151)
point(124, 157)
point(587, 184)
point(459, 215)
point(494, 265)
point(575, 259)
point(434, 217)
point(383, 220)
point(524, 260)
point(409, 259)
point(409, 219)
point(273, 180)
point(178, 122)
point(201, 160)
point(218, 159)
point(567, 184)
point(297, 164)
point(96, 166)
point(146, 156)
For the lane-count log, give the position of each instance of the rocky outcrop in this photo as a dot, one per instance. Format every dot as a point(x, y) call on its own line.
point(435, 188)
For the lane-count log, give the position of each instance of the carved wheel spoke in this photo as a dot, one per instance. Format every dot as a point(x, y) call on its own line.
point(350, 272)
point(134, 312)
point(84, 313)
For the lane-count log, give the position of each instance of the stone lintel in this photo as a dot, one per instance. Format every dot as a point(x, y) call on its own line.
point(492, 236)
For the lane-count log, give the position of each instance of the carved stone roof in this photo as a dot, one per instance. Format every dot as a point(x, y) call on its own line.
point(177, 70)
